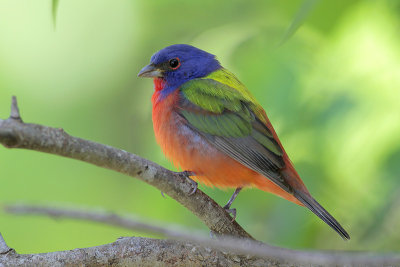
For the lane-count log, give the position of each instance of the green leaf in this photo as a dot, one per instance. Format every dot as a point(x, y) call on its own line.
point(300, 17)
point(54, 8)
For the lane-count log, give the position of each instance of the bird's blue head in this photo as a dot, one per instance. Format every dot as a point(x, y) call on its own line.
point(177, 64)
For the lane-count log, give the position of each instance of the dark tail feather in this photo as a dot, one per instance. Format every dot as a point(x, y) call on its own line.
point(318, 210)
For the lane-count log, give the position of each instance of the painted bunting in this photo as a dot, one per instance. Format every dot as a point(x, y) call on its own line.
point(207, 122)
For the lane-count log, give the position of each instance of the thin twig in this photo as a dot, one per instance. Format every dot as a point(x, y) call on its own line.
point(101, 216)
point(15, 110)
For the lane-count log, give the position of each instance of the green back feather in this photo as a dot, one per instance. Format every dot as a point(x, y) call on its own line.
point(224, 107)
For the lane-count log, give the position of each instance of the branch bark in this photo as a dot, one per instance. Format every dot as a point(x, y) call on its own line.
point(4, 249)
point(128, 251)
point(138, 251)
point(16, 134)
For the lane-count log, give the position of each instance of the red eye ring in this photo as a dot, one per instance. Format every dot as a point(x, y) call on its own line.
point(174, 63)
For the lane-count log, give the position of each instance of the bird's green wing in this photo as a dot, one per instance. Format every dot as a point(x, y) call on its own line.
point(230, 119)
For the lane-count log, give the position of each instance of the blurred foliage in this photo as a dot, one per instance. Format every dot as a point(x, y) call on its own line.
point(331, 90)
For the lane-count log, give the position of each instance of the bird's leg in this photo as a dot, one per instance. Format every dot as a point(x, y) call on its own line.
point(227, 207)
point(187, 175)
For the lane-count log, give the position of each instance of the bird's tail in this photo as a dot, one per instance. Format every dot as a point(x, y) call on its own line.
point(309, 202)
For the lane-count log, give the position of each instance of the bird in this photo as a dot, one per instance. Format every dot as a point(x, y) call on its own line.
point(210, 125)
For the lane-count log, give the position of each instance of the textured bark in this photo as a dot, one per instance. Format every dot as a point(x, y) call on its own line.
point(135, 251)
point(138, 251)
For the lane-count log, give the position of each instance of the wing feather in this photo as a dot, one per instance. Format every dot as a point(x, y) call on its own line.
point(228, 120)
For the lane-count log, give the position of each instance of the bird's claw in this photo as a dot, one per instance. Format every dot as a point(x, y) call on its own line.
point(194, 184)
point(230, 211)
point(187, 175)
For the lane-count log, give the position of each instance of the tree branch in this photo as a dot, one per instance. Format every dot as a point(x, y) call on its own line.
point(134, 251)
point(4, 249)
point(16, 134)
point(188, 249)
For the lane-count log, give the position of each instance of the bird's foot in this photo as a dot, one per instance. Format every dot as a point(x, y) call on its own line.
point(187, 175)
point(227, 207)
point(162, 193)
point(230, 211)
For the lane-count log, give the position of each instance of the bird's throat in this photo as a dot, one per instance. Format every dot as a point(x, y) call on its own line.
point(159, 84)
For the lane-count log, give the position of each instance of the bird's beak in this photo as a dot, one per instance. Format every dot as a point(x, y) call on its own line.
point(150, 71)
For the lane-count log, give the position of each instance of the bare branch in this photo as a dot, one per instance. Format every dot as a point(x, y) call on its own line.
point(234, 250)
point(134, 251)
point(15, 134)
point(15, 110)
point(4, 248)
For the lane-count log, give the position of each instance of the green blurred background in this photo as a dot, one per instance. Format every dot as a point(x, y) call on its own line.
point(332, 91)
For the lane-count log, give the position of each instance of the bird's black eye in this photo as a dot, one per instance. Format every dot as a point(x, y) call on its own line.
point(174, 63)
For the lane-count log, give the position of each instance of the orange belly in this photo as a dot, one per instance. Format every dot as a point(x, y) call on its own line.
point(191, 152)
